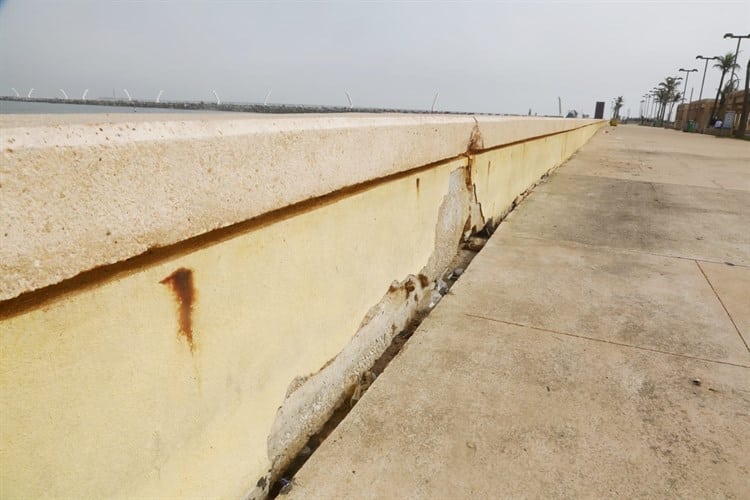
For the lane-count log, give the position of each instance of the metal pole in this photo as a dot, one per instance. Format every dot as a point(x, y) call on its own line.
point(687, 76)
point(736, 53)
point(652, 99)
point(653, 108)
point(705, 70)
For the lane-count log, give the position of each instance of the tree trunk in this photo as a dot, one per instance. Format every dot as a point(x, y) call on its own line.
point(716, 101)
point(745, 104)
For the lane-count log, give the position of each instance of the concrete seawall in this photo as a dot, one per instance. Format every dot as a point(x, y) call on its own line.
point(185, 300)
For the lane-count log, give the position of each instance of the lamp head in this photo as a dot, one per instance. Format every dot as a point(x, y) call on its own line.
point(728, 35)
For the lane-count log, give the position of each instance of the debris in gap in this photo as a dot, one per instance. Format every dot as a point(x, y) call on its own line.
point(440, 288)
point(475, 243)
point(286, 485)
point(487, 230)
point(456, 273)
point(435, 297)
point(364, 382)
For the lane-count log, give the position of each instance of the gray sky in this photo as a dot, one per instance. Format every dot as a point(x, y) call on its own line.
point(481, 56)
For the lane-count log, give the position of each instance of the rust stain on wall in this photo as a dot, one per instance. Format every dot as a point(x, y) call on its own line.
point(476, 141)
point(181, 283)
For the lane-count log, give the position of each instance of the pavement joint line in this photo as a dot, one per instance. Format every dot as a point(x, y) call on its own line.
point(627, 250)
point(722, 305)
point(718, 186)
point(604, 341)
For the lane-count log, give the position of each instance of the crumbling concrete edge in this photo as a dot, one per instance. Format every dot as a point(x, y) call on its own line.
point(311, 400)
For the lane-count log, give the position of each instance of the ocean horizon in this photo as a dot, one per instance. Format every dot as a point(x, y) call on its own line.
point(43, 108)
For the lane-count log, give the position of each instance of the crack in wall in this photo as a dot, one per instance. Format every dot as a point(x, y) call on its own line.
point(316, 403)
point(312, 399)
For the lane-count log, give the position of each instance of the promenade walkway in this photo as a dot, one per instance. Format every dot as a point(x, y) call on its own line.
point(596, 347)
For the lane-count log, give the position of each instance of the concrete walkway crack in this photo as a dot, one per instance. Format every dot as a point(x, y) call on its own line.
point(722, 305)
point(604, 341)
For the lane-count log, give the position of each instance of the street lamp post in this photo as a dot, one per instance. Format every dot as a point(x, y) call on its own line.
point(686, 112)
point(652, 112)
point(705, 68)
point(656, 104)
point(700, 94)
point(736, 52)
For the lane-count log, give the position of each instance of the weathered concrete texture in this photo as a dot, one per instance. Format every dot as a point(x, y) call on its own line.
point(575, 357)
point(82, 192)
point(668, 160)
point(667, 219)
point(632, 298)
point(732, 287)
point(208, 387)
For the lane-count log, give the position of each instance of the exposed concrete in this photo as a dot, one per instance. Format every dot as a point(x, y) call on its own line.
point(77, 194)
point(201, 369)
point(310, 401)
point(571, 363)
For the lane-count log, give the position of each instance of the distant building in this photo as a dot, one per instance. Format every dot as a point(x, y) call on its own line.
point(700, 111)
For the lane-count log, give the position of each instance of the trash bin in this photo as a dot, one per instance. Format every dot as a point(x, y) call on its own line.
point(691, 126)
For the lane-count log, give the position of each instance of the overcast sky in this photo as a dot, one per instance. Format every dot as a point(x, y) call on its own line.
point(502, 57)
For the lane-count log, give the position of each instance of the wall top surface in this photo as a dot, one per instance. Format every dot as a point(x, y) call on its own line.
point(81, 191)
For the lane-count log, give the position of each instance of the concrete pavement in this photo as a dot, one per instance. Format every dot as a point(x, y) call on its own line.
point(596, 347)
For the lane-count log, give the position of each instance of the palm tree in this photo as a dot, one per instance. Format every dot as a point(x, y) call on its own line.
point(618, 102)
point(729, 87)
point(725, 63)
point(665, 94)
point(662, 97)
point(674, 100)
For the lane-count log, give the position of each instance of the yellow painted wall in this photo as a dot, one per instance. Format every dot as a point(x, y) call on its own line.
point(102, 396)
point(501, 174)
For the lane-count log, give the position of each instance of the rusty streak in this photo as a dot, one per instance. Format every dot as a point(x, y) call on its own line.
point(181, 283)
